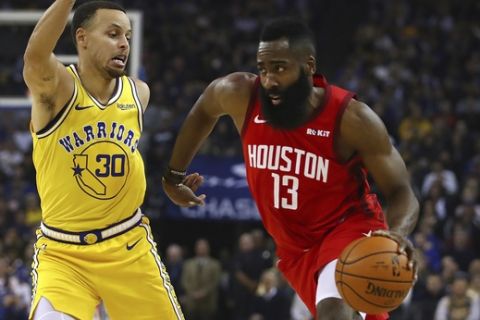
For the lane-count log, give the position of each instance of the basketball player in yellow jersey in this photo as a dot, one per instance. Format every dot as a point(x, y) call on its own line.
point(94, 245)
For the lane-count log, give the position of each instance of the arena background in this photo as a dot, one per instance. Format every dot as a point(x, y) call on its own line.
point(416, 63)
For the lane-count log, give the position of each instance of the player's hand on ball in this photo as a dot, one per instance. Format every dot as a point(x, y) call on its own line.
point(404, 245)
point(183, 194)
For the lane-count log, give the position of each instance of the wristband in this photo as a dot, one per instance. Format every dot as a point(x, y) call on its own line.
point(173, 176)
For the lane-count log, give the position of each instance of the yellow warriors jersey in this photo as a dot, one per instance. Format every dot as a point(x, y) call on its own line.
point(90, 173)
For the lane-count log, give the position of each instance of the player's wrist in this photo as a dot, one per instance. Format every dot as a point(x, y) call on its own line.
point(173, 176)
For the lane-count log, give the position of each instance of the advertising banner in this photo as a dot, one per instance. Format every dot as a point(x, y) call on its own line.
point(225, 184)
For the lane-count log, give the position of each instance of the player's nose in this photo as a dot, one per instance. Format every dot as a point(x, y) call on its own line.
point(270, 82)
point(123, 42)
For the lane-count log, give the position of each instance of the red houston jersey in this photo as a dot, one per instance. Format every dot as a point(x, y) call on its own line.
point(301, 187)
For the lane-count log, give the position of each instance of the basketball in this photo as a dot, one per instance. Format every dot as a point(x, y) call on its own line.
point(371, 276)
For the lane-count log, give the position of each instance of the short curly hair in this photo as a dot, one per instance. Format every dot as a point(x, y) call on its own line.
point(86, 11)
point(298, 34)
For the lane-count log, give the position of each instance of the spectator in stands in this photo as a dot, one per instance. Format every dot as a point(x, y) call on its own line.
point(425, 298)
point(14, 295)
point(298, 309)
point(247, 267)
point(458, 304)
point(200, 281)
point(271, 302)
point(461, 249)
point(427, 241)
point(174, 264)
point(449, 269)
point(440, 175)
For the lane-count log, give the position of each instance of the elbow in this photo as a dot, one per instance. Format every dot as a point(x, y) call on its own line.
point(31, 58)
point(29, 69)
point(29, 55)
point(27, 59)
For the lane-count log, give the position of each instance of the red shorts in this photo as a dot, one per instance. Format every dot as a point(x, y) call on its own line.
point(301, 270)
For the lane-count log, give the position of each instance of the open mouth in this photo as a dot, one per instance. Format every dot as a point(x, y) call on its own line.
point(275, 99)
point(120, 60)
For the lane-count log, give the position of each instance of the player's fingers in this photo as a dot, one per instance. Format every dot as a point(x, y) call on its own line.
point(408, 248)
point(387, 234)
point(381, 233)
point(196, 183)
point(197, 201)
point(190, 179)
point(414, 268)
point(404, 246)
point(183, 196)
point(411, 265)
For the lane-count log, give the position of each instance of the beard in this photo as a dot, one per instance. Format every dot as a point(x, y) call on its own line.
point(293, 109)
point(114, 73)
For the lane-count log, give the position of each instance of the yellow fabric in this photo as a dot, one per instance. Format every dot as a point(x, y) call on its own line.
point(90, 173)
point(133, 283)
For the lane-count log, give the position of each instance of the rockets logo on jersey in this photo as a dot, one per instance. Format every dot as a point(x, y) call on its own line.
point(100, 157)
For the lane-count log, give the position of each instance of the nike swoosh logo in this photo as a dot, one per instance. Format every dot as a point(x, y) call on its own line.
point(369, 234)
point(79, 107)
point(130, 247)
point(258, 120)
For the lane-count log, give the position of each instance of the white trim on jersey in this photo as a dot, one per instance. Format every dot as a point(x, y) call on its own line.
point(64, 114)
point(115, 96)
point(137, 102)
point(163, 273)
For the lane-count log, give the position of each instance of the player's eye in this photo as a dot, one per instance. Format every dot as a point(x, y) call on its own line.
point(262, 71)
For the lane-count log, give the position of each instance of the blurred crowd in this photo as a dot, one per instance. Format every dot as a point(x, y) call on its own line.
point(416, 63)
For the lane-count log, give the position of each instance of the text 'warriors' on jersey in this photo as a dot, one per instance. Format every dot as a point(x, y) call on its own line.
point(89, 171)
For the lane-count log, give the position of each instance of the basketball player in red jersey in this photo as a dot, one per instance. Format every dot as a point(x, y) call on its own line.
point(307, 147)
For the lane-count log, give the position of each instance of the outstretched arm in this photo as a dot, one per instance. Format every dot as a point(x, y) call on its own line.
point(198, 124)
point(49, 82)
point(225, 96)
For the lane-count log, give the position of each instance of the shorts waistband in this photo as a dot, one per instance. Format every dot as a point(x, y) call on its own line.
point(92, 236)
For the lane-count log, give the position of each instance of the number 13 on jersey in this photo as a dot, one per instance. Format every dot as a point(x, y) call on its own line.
point(289, 187)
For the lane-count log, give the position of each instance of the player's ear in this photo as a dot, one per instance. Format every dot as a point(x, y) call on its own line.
point(311, 65)
point(81, 37)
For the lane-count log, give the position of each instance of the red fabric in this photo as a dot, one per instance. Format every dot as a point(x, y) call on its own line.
point(377, 317)
point(311, 203)
point(301, 269)
point(301, 188)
